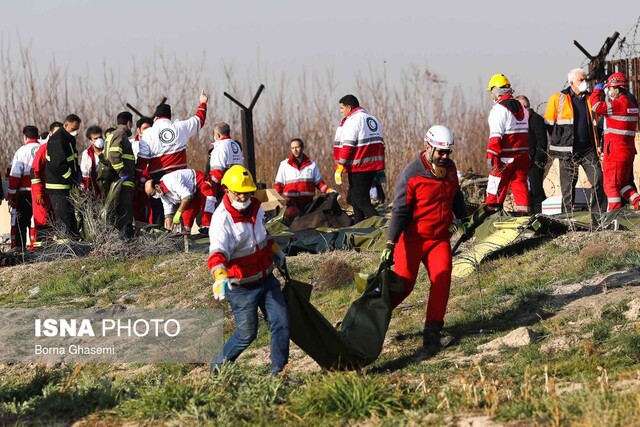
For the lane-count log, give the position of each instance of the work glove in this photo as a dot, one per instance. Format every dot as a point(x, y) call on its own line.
point(221, 283)
point(599, 86)
point(380, 177)
point(279, 258)
point(330, 190)
point(466, 226)
point(338, 174)
point(493, 162)
point(124, 178)
point(387, 254)
point(39, 199)
point(176, 217)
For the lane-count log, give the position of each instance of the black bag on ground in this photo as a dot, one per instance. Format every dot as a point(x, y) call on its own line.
point(359, 339)
point(324, 211)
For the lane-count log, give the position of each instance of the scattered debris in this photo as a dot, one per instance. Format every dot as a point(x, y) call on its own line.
point(517, 338)
point(633, 313)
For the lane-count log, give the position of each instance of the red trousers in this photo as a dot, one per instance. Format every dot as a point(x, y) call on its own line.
point(435, 255)
point(203, 201)
point(616, 176)
point(42, 215)
point(514, 175)
point(141, 206)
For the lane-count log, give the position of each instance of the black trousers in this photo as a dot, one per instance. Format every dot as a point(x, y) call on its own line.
point(157, 212)
point(64, 212)
point(24, 212)
point(124, 208)
point(569, 178)
point(358, 196)
point(536, 191)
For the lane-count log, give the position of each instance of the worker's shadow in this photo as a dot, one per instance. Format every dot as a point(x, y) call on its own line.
point(417, 356)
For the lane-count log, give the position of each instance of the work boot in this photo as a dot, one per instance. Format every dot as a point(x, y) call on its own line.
point(433, 340)
point(204, 231)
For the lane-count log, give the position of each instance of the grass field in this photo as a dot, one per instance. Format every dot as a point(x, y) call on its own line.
point(573, 293)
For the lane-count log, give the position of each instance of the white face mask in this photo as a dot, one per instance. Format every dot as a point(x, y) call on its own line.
point(582, 87)
point(157, 195)
point(240, 206)
point(98, 143)
point(74, 133)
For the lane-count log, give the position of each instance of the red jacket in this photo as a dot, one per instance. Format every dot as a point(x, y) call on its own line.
point(508, 128)
point(240, 243)
point(20, 173)
point(37, 170)
point(358, 143)
point(424, 205)
point(620, 125)
point(163, 146)
point(298, 183)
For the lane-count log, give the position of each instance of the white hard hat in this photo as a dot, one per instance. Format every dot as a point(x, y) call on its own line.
point(439, 136)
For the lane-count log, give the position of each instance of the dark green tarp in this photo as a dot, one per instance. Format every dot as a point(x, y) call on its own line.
point(358, 340)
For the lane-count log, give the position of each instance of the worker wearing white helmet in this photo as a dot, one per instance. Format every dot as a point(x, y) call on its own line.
point(427, 195)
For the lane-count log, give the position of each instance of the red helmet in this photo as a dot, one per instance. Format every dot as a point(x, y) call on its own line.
point(616, 79)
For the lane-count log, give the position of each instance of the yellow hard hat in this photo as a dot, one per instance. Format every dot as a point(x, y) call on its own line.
point(239, 180)
point(498, 80)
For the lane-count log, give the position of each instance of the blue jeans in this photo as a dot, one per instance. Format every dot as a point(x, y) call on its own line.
point(244, 302)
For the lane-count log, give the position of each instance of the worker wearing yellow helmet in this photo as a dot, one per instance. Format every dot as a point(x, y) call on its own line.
point(241, 260)
point(508, 148)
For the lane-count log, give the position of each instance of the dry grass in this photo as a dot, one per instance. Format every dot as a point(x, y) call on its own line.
point(333, 272)
point(304, 106)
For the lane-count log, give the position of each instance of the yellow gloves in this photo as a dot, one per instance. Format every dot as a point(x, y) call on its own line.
point(221, 283)
point(387, 254)
point(176, 218)
point(338, 174)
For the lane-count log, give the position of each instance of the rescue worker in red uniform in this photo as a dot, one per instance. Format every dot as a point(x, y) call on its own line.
point(163, 146)
point(186, 188)
point(297, 179)
point(358, 151)
point(508, 148)
point(224, 153)
point(19, 191)
point(427, 195)
point(620, 126)
point(90, 162)
point(42, 212)
point(241, 261)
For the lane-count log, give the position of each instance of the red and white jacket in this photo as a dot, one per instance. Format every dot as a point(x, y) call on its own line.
point(89, 168)
point(509, 128)
point(359, 144)
point(163, 146)
point(226, 153)
point(298, 183)
point(178, 186)
point(37, 170)
point(240, 243)
point(20, 174)
point(620, 125)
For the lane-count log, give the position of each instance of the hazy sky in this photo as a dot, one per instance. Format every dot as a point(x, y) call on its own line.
point(464, 42)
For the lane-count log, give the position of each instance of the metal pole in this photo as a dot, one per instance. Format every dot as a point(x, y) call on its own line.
point(246, 123)
point(248, 142)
